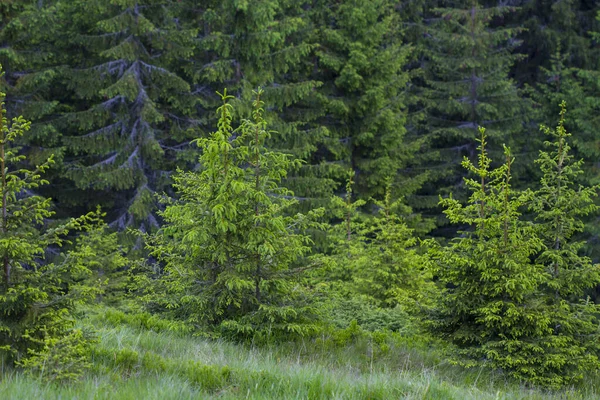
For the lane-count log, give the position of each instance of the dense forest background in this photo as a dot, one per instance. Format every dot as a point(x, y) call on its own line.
point(271, 169)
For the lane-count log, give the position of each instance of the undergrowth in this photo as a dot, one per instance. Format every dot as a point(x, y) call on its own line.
point(144, 357)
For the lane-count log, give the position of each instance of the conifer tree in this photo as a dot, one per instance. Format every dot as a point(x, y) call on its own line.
point(227, 250)
point(37, 293)
point(578, 88)
point(26, 42)
point(559, 206)
point(127, 118)
point(393, 272)
point(343, 245)
point(551, 27)
point(376, 257)
point(491, 304)
point(464, 84)
point(243, 45)
point(360, 59)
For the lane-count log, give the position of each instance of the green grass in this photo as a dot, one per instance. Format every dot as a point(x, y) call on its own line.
point(139, 363)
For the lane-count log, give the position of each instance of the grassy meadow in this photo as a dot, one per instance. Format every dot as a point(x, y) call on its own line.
point(145, 358)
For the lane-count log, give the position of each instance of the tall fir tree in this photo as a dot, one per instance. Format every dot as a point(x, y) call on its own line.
point(554, 26)
point(242, 45)
point(464, 84)
point(360, 59)
point(26, 40)
point(125, 122)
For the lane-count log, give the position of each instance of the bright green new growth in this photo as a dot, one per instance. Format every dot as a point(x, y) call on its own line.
point(227, 248)
point(511, 291)
point(377, 257)
point(38, 295)
point(559, 206)
point(490, 304)
point(393, 272)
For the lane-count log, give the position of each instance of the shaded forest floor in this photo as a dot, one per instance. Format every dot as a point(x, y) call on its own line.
point(146, 360)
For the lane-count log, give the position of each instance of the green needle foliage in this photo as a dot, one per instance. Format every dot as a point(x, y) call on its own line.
point(228, 250)
point(38, 294)
point(129, 109)
point(342, 244)
point(465, 84)
point(559, 206)
point(361, 61)
point(377, 257)
point(513, 287)
point(491, 308)
point(393, 272)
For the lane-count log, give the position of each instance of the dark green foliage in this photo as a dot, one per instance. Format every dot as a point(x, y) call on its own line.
point(227, 250)
point(341, 310)
point(127, 116)
point(269, 44)
point(29, 65)
point(390, 269)
point(553, 26)
point(464, 84)
point(360, 59)
point(39, 291)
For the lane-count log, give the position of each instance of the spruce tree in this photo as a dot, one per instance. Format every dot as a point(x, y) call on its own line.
point(360, 59)
point(551, 27)
point(464, 84)
point(559, 206)
point(27, 33)
point(376, 257)
point(491, 304)
point(226, 248)
point(343, 244)
point(125, 123)
point(393, 272)
point(38, 293)
point(578, 88)
point(243, 45)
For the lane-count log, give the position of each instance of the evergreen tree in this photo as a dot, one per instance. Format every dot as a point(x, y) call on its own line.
point(550, 27)
point(491, 304)
point(360, 59)
point(38, 295)
point(343, 244)
point(559, 206)
point(127, 118)
point(578, 87)
point(243, 45)
point(377, 257)
point(464, 84)
point(227, 250)
point(26, 36)
point(393, 271)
